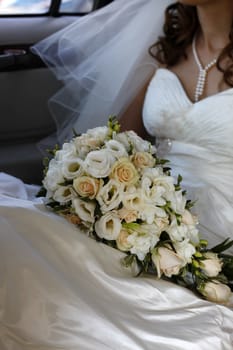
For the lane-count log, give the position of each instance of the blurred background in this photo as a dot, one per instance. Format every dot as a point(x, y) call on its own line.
point(8, 7)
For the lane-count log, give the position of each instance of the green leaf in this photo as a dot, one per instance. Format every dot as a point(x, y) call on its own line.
point(128, 260)
point(113, 125)
point(42, 192)
point(227, 268)
point(226, 244)
point(162, 161)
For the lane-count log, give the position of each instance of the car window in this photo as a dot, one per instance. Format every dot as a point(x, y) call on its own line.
point(33, 7)
point(81, 6)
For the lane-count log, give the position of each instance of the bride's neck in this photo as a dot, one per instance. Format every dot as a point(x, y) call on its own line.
point(215, 23)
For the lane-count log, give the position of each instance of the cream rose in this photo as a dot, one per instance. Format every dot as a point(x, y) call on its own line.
point(110, 195)
point(128, 215)
point(124, 172)
point(166, 261)
point(87, 186)
point(188, 219)
point(99, 163)
point(108, 226)
point(162, 222)
point(143, 160)
point(216, 292)
point(85, 210)
point(122, 241)
point(212, 265)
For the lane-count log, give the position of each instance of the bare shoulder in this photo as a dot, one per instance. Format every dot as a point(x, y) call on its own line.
point(132, 116)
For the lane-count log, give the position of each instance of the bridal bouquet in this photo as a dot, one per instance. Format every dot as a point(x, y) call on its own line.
point(114, 188)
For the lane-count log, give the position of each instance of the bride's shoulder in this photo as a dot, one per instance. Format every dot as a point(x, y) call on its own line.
point(157, 72)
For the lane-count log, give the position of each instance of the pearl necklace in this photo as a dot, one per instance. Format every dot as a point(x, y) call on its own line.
point(203, 71)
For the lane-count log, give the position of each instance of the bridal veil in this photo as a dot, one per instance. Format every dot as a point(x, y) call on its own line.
point(102, 60)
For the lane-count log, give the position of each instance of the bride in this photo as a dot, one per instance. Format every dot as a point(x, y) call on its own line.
point(58, 288)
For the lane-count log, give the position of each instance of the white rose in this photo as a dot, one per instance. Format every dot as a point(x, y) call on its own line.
point(185, 250)
point(180, 232)
point(85, 210)
point(63, 194)
point(123, 138)
point(177, 232)
point(216, 292)
point(68, 151)
point(84, 144)
point(116, 148)
point(212, 265)
point(54, 176)
point(140, 244)
point(166, 261)
point(178, 201)
point(108, 226)
point(151, 229)
point(99, 163)
point(143, 238)
point(193, 234)
point(155, 185)
point(72, 168)
point(139, 144)
point(149, 213)
point(132, 200)
point(91, 140)
point(99, 133)
point(110, 195)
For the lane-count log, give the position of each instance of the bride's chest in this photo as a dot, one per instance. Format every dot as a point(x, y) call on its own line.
point(168, 112)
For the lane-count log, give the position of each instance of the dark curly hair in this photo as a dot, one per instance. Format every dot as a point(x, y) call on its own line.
point(181, 24)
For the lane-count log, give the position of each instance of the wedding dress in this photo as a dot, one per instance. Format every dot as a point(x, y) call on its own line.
point(60, 289)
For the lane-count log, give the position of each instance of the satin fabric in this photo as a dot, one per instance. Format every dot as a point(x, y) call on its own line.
point(59, 289)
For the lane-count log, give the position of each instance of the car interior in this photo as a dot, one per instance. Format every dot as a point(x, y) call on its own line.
point(26, 84)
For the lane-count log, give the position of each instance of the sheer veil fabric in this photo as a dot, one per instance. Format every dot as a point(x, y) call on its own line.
point(103, 60)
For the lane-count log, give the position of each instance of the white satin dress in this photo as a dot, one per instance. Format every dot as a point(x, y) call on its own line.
point(60, 290)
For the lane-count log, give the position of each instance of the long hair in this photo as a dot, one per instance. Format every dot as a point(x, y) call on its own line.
point(181, 24)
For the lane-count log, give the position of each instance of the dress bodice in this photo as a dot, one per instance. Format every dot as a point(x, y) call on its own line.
point(197, 139)
point(169, 113)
